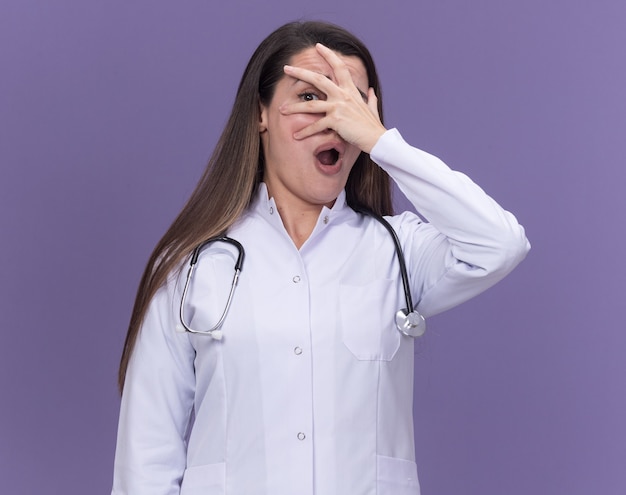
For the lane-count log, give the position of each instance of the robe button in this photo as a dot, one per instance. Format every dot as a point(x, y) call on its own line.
point(297, 351)
point(296, 279)
point(301, 436)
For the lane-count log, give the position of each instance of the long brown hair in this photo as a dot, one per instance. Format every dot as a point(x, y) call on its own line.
point(235, 169)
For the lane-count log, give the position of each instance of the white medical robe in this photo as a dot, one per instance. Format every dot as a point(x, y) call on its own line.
point(310, 389)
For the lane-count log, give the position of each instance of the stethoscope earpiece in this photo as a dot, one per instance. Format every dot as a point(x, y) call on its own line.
point(410, 324)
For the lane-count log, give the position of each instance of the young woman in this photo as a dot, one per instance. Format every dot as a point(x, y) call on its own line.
point(301, 382)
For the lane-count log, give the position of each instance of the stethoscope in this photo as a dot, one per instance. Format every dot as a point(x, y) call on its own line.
point(408, 321)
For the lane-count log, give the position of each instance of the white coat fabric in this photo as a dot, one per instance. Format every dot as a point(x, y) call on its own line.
point(310, 390)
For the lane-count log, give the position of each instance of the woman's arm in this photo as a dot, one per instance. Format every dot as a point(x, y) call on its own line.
point(470, 242)
point(156, 405)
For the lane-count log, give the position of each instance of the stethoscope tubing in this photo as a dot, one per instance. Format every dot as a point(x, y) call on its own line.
point(399, 254)
point(408, 320)
point(192, 266)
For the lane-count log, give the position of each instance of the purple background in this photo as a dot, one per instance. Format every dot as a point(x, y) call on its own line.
point(108, 113)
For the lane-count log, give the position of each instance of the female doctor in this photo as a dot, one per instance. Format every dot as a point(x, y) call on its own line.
point(305, 385)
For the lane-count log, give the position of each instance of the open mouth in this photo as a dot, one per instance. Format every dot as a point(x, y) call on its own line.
point(328, 157)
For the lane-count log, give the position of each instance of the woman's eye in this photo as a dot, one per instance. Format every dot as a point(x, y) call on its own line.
point(308, 96)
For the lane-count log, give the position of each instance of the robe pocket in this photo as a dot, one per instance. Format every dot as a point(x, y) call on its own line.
point(397, 476)
point(367, 322)
point(207, 479)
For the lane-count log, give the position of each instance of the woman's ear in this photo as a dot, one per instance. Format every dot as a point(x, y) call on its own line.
point(262, 118)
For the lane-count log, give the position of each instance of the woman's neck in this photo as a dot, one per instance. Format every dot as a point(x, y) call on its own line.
point(299, 222)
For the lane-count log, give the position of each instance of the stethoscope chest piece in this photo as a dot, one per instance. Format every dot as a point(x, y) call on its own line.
point(411, 324)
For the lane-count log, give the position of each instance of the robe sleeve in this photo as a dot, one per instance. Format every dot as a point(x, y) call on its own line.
point(469, 241)
point(156, 404)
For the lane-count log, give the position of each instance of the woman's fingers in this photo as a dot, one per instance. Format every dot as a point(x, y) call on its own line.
point(340, 69)
point(318, 106)
point(372, 102)
point(318, 80)
point(359, 126)
point(345, 109)
point(320, 125)
point(340, 73)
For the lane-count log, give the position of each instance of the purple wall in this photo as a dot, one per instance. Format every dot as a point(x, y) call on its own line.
point(108, 112)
